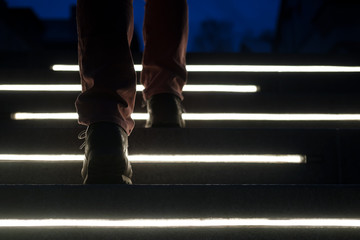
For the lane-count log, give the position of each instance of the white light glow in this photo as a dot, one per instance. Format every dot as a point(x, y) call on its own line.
point(270, 117)
point(269, 68)
point(138, 67)
point(65, 68)
point(183, 223)
point(241, 68)
point(139, 88)
point(42, 157)
point(194, 158)
point(217, 158)
point(221, 88)
point(44, 116)
point(207, 116)
point(41, 87)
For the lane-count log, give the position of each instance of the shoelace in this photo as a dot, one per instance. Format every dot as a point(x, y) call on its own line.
point(82, 135)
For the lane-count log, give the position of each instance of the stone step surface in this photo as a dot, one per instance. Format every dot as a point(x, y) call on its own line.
point(197, 103)
point(331, 155)
point(238, 202)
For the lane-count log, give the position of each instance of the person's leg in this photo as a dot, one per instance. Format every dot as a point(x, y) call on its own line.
point(107, 72)
point(164, 73)
point(108, 81)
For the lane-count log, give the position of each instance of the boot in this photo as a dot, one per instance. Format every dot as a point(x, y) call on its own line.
point(106, 159)
point(164, 110)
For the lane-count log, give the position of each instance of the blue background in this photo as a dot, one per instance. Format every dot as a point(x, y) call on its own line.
point(236, 19)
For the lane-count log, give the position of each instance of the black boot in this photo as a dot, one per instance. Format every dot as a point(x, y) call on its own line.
point(164, 110)
point(106, 159)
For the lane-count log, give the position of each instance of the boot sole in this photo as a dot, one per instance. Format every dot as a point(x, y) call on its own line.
point(107, 179)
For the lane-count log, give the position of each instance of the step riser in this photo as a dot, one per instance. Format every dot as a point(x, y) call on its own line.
point(179, 201)
point(269, 83)
point(69, 173)
point(181, 234)
point(196, 103)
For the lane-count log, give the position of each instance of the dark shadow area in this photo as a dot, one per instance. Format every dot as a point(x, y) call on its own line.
point(320, 26)
point(303, 27)
point(27, 40)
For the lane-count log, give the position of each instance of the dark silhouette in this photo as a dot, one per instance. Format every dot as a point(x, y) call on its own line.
point(20, 29)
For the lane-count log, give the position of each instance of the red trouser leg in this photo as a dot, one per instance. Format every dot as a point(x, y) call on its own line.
point(165, 35)
point(107, 72)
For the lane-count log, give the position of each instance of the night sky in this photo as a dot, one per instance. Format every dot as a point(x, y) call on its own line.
point(247, 17)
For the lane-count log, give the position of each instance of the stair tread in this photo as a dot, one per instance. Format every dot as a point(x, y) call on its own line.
point(325, 149)
point(119, 201)
point(203, 140)
point(199, 102)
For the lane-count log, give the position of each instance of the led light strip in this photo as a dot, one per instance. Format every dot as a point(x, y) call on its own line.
point(240, 68)
point(41, 87)
point(184, 223)
point(218, 158)
point(206, 116)
point(44, 116)
point(194, 158)
point(77, 88)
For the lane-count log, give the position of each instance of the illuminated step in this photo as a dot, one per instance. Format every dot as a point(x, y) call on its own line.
point(35, 171)
point(207, 116)
point(240, 68)
point(51, 154)
point(178, 211)
point(77, 88)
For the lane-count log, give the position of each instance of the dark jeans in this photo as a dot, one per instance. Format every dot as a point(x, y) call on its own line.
point(108, 78)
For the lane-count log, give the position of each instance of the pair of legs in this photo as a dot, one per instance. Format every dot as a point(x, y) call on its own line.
point(108, 78)
point(105, 30)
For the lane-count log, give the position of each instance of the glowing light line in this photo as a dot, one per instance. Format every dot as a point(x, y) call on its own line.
point(269, 68)
point(270, 117)
point(44, 116)
point(218, 158)
point(77, 88)
point(207, 116)
point(41, 87)
point(177, 158)
point(241, 68)
point(184, 223)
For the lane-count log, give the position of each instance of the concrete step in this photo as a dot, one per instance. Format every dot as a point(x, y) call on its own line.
point(243, 204)
point(269, 82)
point(198, 102)
point(204, 233)
point(331, 155)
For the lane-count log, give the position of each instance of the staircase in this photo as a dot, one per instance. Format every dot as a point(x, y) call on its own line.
point(317, 197)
